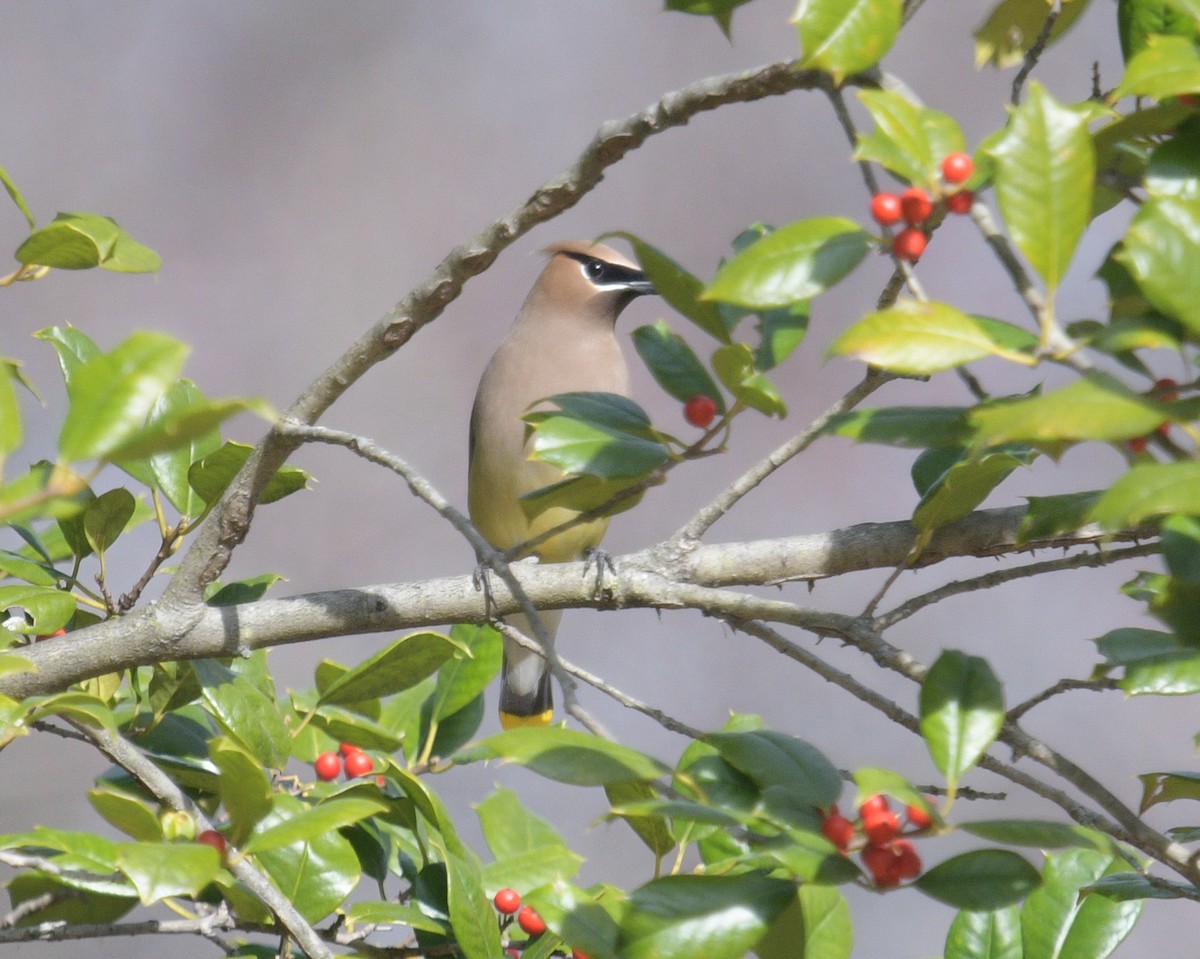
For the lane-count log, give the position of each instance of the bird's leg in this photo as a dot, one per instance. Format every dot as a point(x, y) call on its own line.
point(481, 579)
point(602, 560)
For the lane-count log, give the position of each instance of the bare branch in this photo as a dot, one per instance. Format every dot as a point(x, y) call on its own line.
point(1062, 686)
point(1034, 53)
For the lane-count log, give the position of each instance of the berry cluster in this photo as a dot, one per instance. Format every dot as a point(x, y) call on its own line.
point(1165, 390)
point(914, 206)
point(508, 902)
point(885, 851)
point(328, 766)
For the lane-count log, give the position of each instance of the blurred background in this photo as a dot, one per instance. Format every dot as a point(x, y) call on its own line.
point(301, 165)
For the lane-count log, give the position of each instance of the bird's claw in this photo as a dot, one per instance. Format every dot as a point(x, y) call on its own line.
point(603, 562)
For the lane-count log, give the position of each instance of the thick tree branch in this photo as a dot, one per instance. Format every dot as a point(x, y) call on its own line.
point(656, 578)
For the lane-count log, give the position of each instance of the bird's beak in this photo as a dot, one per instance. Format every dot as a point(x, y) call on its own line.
point(640, 286)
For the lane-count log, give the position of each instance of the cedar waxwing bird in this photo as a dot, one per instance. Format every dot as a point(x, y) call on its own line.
point(563, 340)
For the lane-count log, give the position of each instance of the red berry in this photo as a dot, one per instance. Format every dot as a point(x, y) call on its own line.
point(1165, 389)
point(358, 764)
point(346, 749)
point(210, 837)
point(328, 766)
point(530, 921)
point(507, 901)
point(1138, 444)
point(1188, 99)
point(57, 632)
point(874, 804)
point(957, 167)
point(700, 411)
point(579, 954)
point(909, 244)
point(512, 953)
point(885, 208)
point(918, 817)
point(960, 202)
point(915, 205)
point(838, 829)
point(908, 863)
point(880, 827)
point(882, 864)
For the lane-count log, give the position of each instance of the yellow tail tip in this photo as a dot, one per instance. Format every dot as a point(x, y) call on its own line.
point(513, 721)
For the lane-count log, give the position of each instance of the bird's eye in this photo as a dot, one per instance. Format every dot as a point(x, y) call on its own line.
point(594, 268)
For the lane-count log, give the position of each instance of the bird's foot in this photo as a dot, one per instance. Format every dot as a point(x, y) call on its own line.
point(603, 562)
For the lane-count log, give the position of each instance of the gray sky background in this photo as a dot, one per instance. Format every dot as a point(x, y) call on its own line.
point(301, 165)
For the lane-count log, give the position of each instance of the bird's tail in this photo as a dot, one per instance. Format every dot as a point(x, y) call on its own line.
point(526, 698)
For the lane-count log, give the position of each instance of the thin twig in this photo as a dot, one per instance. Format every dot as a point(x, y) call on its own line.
point(699, 524)
point(1087, 560)
point(1062, 686)
point(1034, 53)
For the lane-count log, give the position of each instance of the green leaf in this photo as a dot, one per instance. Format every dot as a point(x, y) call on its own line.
point(565, 755)
point(396, 667)
point(846, 36)
point(112, 394)
point(1160, 252)
point(962, 710)
point(50, 608)
point(1166, 67)
point(815, 925)
point(673, 364)
point(316, 874)
point(593, 434)
point(915, 427)
point(509, 829)
point(1127, 886)
point(72, 900)
point(10, 412)
point(1013, 26)
point(776, 759)
point(1050, 516)
point(106, 518)
point(1168, 787)
point(244, 787)
point(735, 367)
point(872, 781)
point(74, 349)
point(994, 934)
point(1150, 489)
point(126, 812)
point(1096, 406)
point(581, 494)
point(160, 870)
point(719, 10)
point(966, 483)
point(1173, 169)
point(909, 140)
point(717, 917)
point(469, 671)
point(246, 713)
point(1045, 167)
point(1127, 645)
point(781, 331)
point(374, 912)
point(80, 241)
point(983, 879)
point(791, 265)
point(650, 824)
point(1038, 833)
point(916, 338)
point(1138, 20)
point(170, 468)
point(15, 196)
point(470, 912)
point(213, 474)
point(679, 289)
point(1057, 926)
point(243, 591)
point(310, 824)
